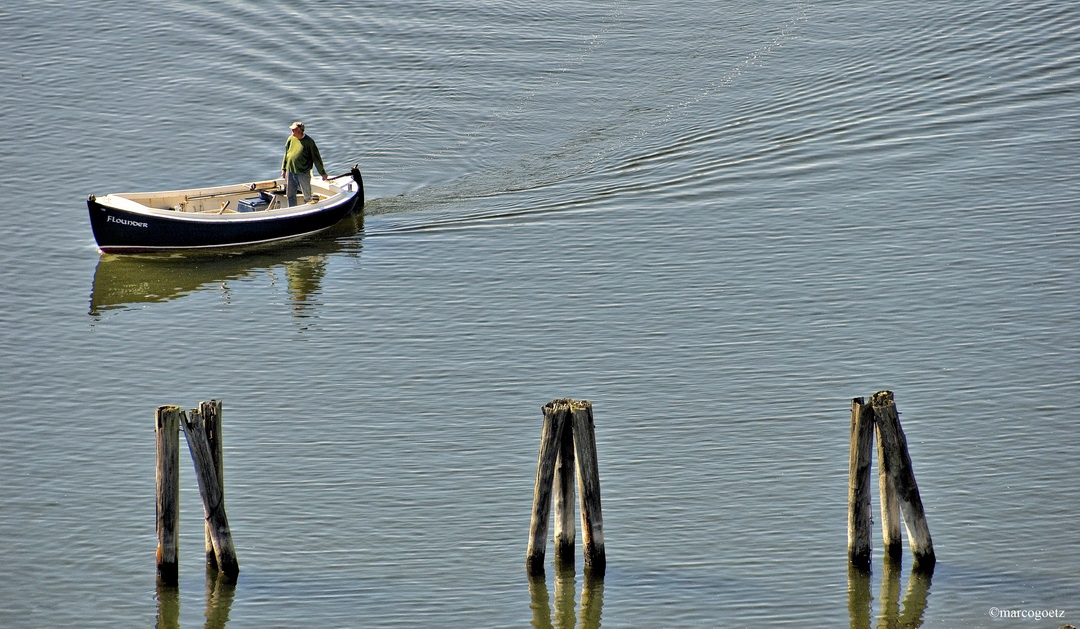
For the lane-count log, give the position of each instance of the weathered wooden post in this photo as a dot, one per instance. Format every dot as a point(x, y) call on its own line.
point(212, 496)
point(890, 509)
point(565, 524)
point(211, 413)
point(859, 519)
point(167, 477)
point(588, 473)
point(567, 441)
point(555, 416)
point(897, 465)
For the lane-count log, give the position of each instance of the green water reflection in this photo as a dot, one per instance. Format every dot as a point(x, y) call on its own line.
point(894, 614)
point(564, 614)
point(220, 592)
point(130, 280)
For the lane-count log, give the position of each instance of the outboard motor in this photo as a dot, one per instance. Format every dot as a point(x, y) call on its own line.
point(359, 179)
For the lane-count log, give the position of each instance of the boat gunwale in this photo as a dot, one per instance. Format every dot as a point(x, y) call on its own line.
point(122, 201)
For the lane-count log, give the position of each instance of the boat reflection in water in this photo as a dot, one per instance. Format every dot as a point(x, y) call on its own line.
point(127, 281)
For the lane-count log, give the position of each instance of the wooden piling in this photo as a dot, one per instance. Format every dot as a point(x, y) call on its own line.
point(565, 523)
point(550, 442)
point(212, 496)
point(588, 473)
point(167, 477)
point(890, 509)
point(211, 413)
point(898, 467)
point(567, 441)
point(859, 519)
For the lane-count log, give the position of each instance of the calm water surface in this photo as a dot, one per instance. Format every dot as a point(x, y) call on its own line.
point(717, 221)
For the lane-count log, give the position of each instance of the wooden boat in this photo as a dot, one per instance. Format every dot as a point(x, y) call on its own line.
point(238, 215)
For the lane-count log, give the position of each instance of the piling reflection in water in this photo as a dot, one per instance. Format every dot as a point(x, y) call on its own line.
point(220, 592)
point(126, 281)
point(564, 614)
point(894, 615)
point(168, 607)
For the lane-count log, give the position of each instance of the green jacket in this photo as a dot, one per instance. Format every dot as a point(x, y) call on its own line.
point(300, 155)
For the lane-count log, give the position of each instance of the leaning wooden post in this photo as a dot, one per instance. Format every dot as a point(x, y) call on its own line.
point(211, 413)
point(565, 523)
point(898, 467)
point(859, 519)
point(212, 497)
point(588, 473)
point(550, 441)
point(167, 476)
point(890, 509)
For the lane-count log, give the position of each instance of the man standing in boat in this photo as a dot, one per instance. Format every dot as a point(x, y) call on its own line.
point(301, 154)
